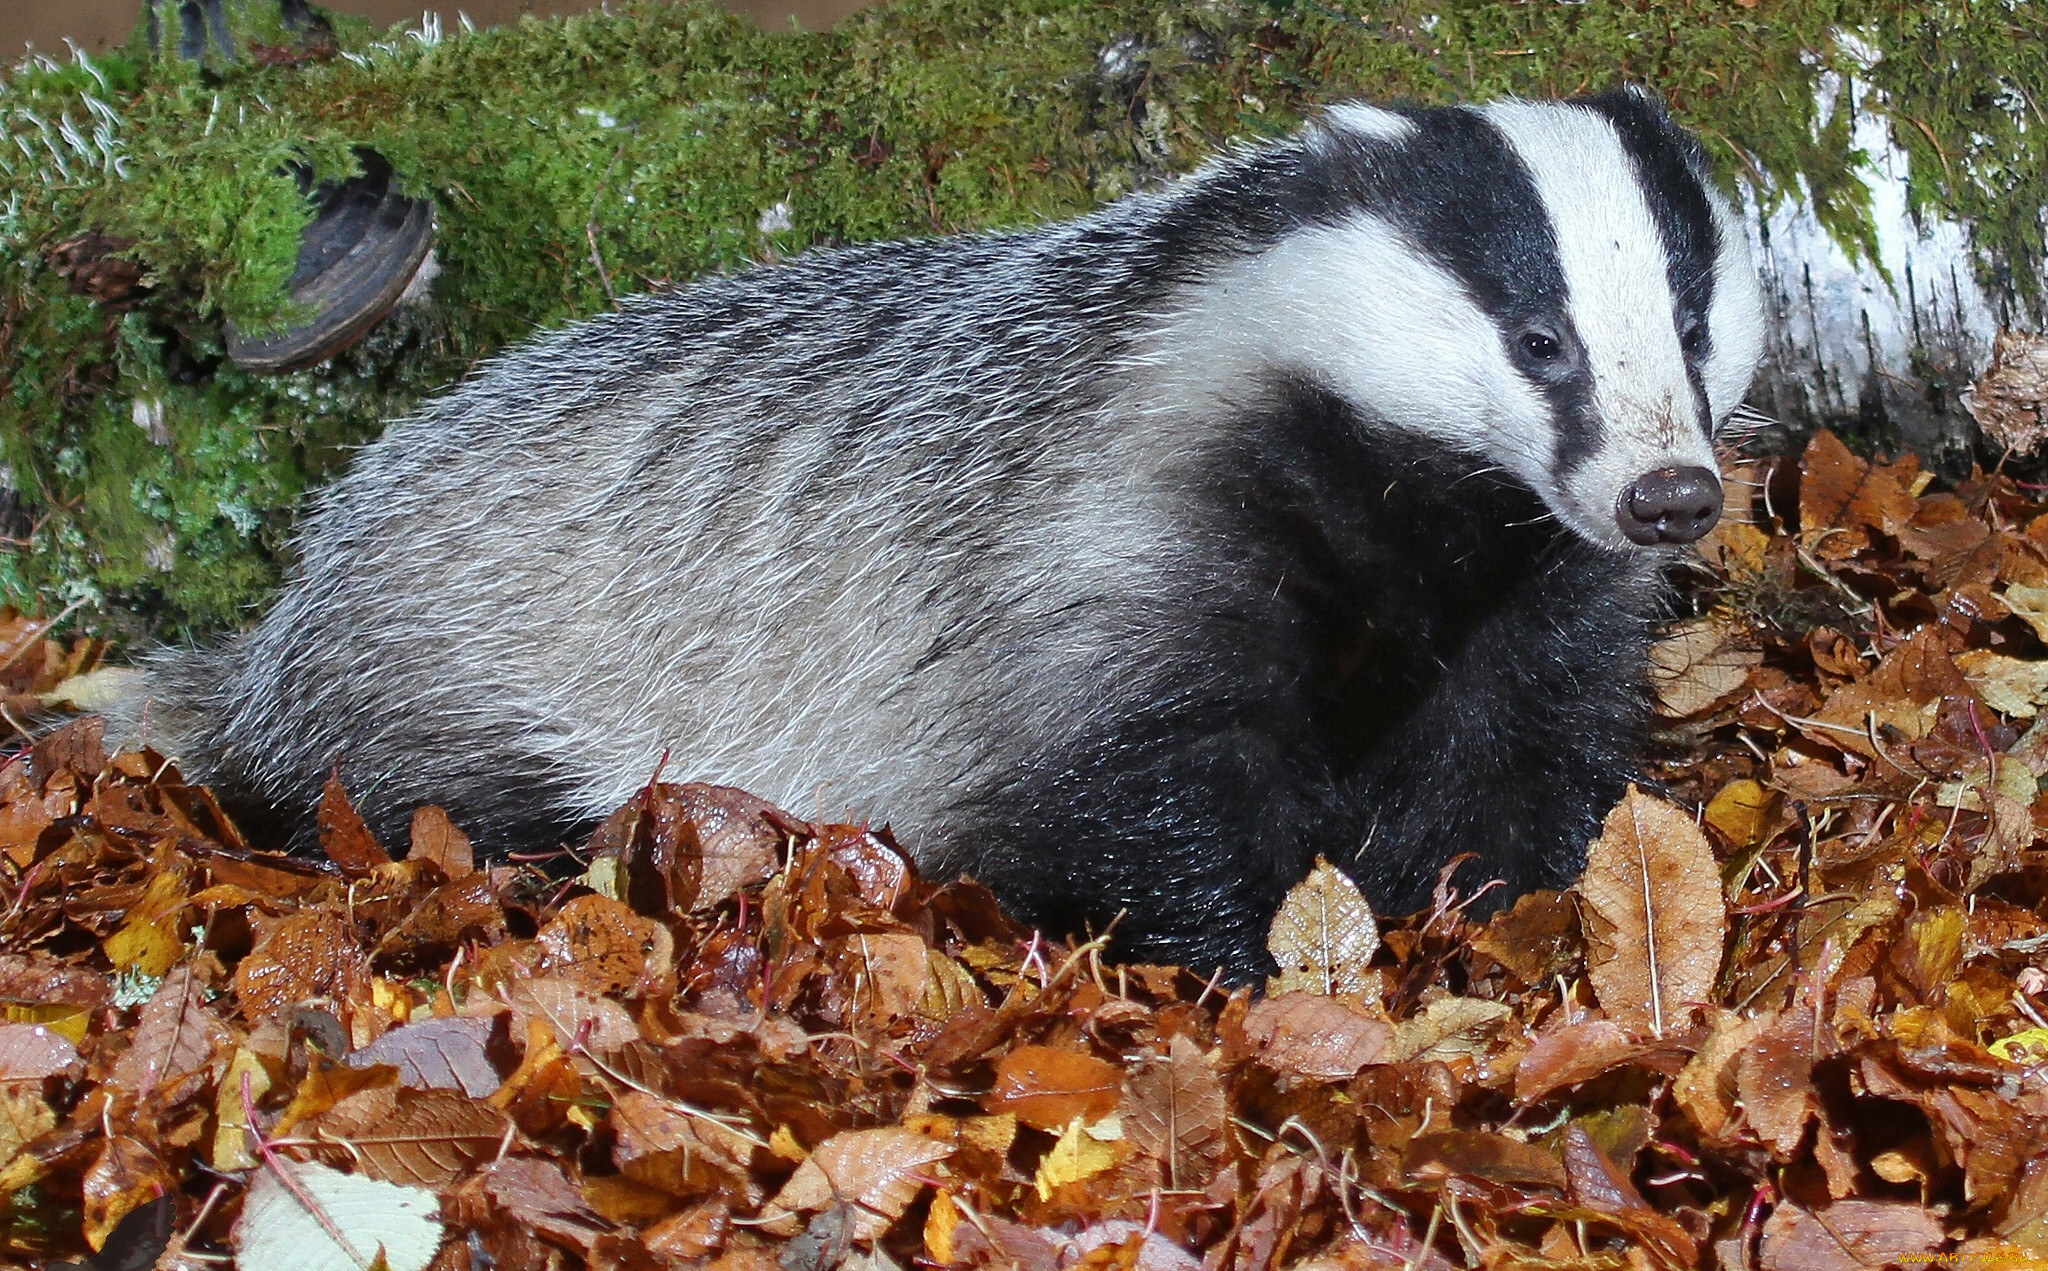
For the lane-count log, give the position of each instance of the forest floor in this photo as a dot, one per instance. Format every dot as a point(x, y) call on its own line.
point(1791, 1018)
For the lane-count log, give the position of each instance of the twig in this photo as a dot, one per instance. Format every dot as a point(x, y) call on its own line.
point(590, 225)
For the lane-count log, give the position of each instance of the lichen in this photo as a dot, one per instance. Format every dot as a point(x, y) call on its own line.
point(574, 159)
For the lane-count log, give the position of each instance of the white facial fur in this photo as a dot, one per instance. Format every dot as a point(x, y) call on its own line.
point(1621, 305)
point(1358, 309)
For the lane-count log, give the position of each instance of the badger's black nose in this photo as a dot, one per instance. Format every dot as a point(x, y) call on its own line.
point(1670, 505)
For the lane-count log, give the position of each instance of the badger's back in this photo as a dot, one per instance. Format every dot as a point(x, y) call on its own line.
point(731, 522)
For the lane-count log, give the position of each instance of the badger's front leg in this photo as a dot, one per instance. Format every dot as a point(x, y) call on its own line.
point(1194, 817)
point(1525, 740)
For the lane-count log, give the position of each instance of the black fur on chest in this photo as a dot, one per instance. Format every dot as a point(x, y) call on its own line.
point(1379, 653)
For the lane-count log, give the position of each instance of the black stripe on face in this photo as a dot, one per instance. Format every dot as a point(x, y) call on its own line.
point(1467, 199)
point(1458, 190)
point(1668, 163)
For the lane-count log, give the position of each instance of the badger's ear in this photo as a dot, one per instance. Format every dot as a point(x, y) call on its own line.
point(1634, 96)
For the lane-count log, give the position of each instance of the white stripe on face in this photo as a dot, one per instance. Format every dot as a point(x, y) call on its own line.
point(1620, 303)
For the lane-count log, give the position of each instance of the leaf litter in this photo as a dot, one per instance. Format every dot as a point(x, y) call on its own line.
point(1792, 1017)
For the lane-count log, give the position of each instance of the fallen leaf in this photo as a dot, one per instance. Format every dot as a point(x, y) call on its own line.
point(344, 835)
point(1316, 1036)
point(1700, 663)
point(418, 1138)
point(1651, 903)
point(309, 955)
point(1046, 1087)
point(124, 1176)
point(1849, 1235)
point(325, 1220)
point(1774, 1080)
point(1175, 1113)
point(437, 1054)
point(1324, 936)
point(1075, 1156)
point(2009, 401)
point(31, 1052)
point(682, 1151)
point(176, 1035)
point(1448, 1028)
point(607, 948)
point(874, 1174)
point(435, 838)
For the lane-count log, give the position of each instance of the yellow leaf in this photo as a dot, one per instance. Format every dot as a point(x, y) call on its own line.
point(2028, 1046)
point(1077, 1155)
point(1323, 937)
point(149, 942)
point(939, 1223)
point(68, 1022)
point(2011, 686)
point(231, 1146)
point(24, 1117)
point(1742, 810)
point(783, 1144)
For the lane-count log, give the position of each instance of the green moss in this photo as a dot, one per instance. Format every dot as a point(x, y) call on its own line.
point(573, 159)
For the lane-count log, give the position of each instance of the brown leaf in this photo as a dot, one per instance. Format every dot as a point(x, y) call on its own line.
point(416, 1138)
point(1175, 1112)
point(1651, 903)
point(435, 838)
point(309, 955)
point(538, 1195)
point(1324, 936)
point(1567, 1054)
point(605, 946)
point(577, 1015)
point(2010, 399)
point(344, 835)
point(1493, 1158)
point(1046, 1087)
point(688, 847)
point(874, 1174)
point(437, 1054)
point(175, 1036)
point(1849, 1235)
point(684, 1152)
point(31, 1052)
point(892, 970)
point(1535, 939)
point(1774, 1080)
point(1448, 1028)
point(1706, 1088)
point(1316, 1036)
point(125, 1175)
point(1701, 662)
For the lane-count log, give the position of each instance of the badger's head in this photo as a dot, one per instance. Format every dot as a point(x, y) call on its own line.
point(1555, 287)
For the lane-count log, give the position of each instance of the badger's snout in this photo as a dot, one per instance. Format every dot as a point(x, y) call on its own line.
point(1670, 505)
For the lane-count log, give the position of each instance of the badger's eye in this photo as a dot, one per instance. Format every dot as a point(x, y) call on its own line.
point(1692, 337)
point(1541, 345)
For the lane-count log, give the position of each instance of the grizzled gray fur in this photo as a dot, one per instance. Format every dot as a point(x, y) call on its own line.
point(1312, 506)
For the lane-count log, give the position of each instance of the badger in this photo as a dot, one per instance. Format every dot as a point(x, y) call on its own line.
point(1316, 505)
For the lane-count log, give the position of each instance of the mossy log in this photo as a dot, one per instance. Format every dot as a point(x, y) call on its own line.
point(145, 201)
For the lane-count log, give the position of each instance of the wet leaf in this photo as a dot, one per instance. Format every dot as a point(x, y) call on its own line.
point(1047, 1088)
point(418, 1138)
point(874, 1174)
point(344, 835)
point(437, 1054)
point(1324, 936)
